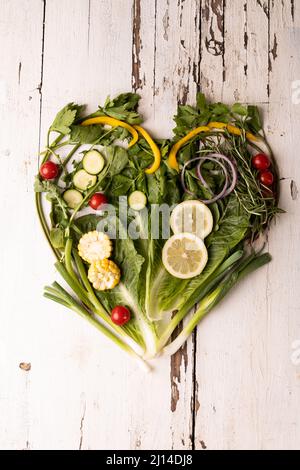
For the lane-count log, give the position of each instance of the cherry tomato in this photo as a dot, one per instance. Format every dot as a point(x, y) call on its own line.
point(97, 200)
point(266, 177)
point(49, 170)
point(120, 315)
point(261, 161)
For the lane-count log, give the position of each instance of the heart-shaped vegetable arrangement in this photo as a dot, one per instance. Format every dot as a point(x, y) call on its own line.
point(143, 234)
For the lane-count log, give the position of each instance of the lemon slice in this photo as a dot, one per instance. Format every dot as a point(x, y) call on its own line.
point(184, 255)
point(193, 217)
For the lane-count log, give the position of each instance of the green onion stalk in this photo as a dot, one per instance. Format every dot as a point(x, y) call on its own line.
point(249, 264)
point(213, 280)
point(72, 270)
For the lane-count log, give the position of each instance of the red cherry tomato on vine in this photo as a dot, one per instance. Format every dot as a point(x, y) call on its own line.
point(97, 200)
point(266, 177)
point(49, 170)
point(120, 315)
point(261, 161)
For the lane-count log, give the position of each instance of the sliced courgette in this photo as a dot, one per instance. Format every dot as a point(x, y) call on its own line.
point(93, 162)
point(72, 197)
point(137, 200)
point(83, 180)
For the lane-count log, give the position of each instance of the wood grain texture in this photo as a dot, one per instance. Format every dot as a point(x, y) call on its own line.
point(234, 384)
point(19, 130)
point(246, 341)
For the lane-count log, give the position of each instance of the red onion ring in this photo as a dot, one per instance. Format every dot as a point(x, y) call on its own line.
point(215, 157)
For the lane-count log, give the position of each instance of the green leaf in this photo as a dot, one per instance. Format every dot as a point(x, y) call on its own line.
point(141, 183)
point(130, 172)
point(120, 185)
point(58, 217)
point(238, 108)
point(57, 237)
point(172, 192)
point(123, 107)
point(154, 190)
point(85, 134)
point(128, 101)
point(87, 223)
point(130, 263)
point(140, 155)
point(219, 109)
point(201, 102)
point(186, 118)
point(154, 272)
point(38, 185)
point(117, 159)
point(53, 193)
point(254, 120)
point(65, 118)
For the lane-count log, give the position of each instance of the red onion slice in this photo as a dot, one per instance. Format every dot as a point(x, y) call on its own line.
point(215, 157)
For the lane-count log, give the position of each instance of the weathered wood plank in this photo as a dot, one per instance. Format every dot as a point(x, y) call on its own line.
point(247, 340)
point(165, 72)
point(223, 342)
point(257, 42)
point(176, 81)
point(212, 58)
point(82, 65)
point(99, 419)
point(19, 115)
point(280, 405)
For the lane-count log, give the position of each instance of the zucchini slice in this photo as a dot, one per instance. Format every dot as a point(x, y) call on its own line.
point(137, 200)
point(83, 180)
point(72, 197)
point(93, 162)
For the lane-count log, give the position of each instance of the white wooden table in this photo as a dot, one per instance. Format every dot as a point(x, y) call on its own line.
point(236, 384)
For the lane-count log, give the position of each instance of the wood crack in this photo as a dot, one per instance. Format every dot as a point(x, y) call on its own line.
point(42, 74)
point(293, 9)
point(195, 405)
point(175, 372)
point(223, 34)
point(81, 426)
point(265, 7)
point(294, 190)
point(214, 46)
point(246, 38)
point(155, 48)
point(136, 45)
point(166, 23)
point(19, 72)
point(89, 26)
point(269, 59)
point(196, 73)
point(273, 51)
point(203, 445)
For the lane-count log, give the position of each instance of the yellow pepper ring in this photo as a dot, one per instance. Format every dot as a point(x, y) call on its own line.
point(172, 161)
point(154, 148)
point(217, 125)
point(114, 123)
point(231, 129)
point(211, 125)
